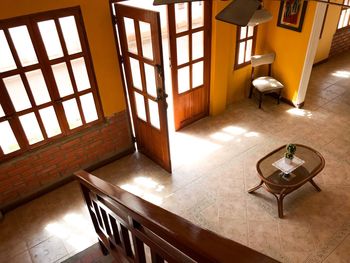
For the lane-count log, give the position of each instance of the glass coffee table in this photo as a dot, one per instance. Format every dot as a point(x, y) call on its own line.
point(280, 184)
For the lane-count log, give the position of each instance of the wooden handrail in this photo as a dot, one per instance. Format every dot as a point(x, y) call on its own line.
point(119, 216)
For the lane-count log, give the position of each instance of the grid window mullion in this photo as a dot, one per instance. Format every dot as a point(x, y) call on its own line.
point(39, 108)
point(34, 107)
point(49, 79)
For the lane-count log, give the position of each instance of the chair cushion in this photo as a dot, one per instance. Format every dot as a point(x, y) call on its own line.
point(265, 84)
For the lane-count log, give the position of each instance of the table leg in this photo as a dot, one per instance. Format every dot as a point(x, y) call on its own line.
point(255, 188)
point(315, 185)
point(280, 204)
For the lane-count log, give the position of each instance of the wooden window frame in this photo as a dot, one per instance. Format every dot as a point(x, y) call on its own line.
point(239, 41)
point(44, 64)
point(344, 9)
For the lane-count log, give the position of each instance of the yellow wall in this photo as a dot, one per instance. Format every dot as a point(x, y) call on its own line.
point(331, 24)
point(99, 31)
point(290, 47)
point(221, 56)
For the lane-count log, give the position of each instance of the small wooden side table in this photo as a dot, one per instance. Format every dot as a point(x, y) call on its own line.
point(280, 184)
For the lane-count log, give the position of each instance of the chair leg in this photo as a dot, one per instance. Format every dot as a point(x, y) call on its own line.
point(260, 99)
point(251, 92)
point(279, 97)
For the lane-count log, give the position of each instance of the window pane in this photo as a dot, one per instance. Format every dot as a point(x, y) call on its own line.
point(31, 128)
point(181, 17)
point(136, 74)
point(248, 53)
point(62, 79)
point(197, 14)
point(23, 44)
point(150, 80)
point(183, 76)
point(197, 74)
point(89, 107)
point(140, 106)
point(130, 34)
point(154, 113)
point(49, 118)
point(341, 20)
point(243, 32)
point(347, 17)
point(38, 86)
point(70, 34)
point(146, 40)
point(241, 52)
point(72, 113)
point(8, 140)
point(250, 31)
point(182, 46)
point(80, 74)
point(197, 45)
point(50, 38)
point(6, 62)
point(17, 92)
point(2, 113)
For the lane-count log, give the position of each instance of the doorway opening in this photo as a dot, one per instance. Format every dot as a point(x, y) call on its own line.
point(165, 55)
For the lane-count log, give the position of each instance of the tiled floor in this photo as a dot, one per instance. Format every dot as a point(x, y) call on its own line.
point(213, 166)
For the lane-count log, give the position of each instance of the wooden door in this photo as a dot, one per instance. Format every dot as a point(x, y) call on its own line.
point(140, 39)
point(190, 41)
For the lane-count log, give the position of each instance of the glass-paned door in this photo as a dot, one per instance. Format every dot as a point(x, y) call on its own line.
point(189, 29)
point(140, 39)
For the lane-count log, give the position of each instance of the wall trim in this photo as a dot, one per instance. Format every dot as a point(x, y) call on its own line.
point(320, 62)
point(12, 205)
point(311, 52)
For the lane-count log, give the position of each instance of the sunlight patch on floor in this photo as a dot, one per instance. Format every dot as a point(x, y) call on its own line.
point(300, 112)
point(234, 130)
point(141, 186)
point(72, 229)
point(221, 136)
point(342, 74)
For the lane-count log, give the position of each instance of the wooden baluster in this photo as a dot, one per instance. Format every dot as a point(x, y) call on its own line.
point(156, 258)
point(138, 244)
point(125, 240)
point(105, 221)
point(139, 248)
point(114, 228)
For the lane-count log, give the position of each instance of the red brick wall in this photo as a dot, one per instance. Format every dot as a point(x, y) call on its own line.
point(36, 170)
point(341, 41)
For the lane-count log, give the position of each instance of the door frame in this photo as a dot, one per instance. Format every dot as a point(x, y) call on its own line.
point(207, 38)
point(143, 128)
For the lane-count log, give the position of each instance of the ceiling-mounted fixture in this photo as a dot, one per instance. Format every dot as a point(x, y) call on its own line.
point(244, 12)
point(260, 16)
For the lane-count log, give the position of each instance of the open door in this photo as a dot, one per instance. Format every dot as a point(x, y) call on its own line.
point(190, 41)
point(141, 47)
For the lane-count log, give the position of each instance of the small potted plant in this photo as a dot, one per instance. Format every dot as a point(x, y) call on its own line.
point(289, 154)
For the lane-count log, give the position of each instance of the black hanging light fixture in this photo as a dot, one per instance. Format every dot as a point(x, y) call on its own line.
point(244, 12)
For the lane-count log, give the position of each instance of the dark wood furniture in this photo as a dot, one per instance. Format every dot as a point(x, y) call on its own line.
point(280, 184)
point(125, 224)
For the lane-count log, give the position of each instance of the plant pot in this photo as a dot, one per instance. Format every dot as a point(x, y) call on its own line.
point(288, 161)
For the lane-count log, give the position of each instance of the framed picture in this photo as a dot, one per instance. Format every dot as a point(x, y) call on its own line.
point(291, 14)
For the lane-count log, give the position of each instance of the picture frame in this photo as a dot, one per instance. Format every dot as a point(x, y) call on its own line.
point(291, 14)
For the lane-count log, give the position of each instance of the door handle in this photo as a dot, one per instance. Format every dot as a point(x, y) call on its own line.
point(161, 95)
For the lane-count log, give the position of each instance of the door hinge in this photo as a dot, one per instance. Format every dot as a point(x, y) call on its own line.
point(121, 59)
point(114, 18)
point(133, 139)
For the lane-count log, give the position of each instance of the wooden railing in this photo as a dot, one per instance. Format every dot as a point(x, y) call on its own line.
point(127, 226)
